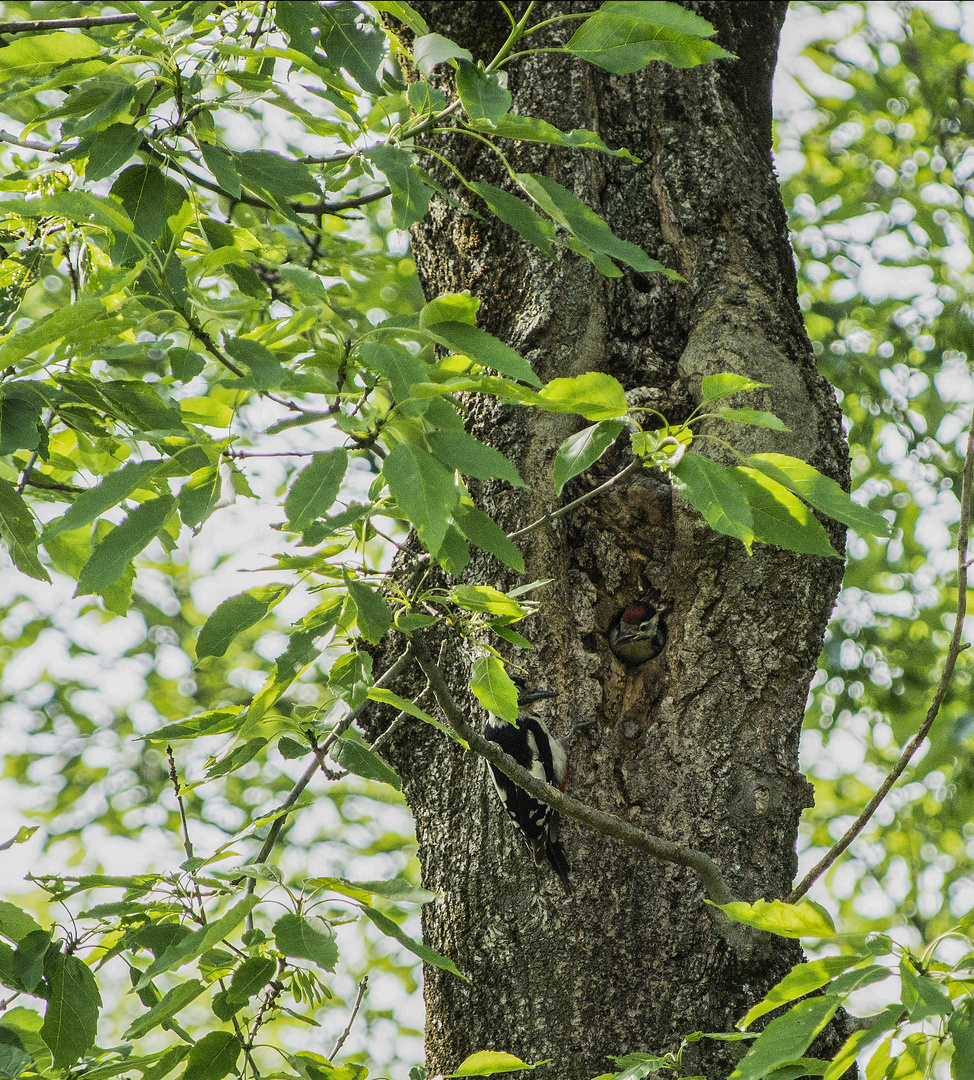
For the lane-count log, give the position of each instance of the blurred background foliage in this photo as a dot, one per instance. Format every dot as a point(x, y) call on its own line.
point(880, 187)
point(875, 150)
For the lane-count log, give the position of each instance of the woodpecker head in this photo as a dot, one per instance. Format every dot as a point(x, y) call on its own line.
point(526, 698)
point(639, 633)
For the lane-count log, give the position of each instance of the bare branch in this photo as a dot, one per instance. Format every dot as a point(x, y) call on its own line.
point(717, 889)
point(954, 650)
point(85, 22)
point(362, 987)
point(29, 144)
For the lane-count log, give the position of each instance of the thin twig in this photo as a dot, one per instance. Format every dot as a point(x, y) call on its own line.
point(187, 842)
point(555, 514)
point(954, 650)
point(259, 28)
point(716, 888)
point(362, 987)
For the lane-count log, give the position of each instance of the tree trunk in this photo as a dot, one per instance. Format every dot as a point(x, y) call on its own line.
point(699, 745)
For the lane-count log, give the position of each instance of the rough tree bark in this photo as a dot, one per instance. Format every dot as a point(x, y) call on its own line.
point(699, 745)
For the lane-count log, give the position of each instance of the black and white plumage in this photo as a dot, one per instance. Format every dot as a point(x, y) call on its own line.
point(534, 748)
point(639, 633)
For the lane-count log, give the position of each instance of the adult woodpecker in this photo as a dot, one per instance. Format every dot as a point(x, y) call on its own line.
point(534, 748)
point(639, 633)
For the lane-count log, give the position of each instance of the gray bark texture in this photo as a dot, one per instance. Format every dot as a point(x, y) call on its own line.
point(700, 745)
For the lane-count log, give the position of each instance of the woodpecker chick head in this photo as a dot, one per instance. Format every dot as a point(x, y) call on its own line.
point(639, 633)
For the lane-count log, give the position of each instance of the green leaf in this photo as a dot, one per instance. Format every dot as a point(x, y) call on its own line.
point(20, 414)
point(15, 923)
point(594, 395)
point(351, 677)
point(145, 15)
point(351, 43)
point(251, 977)
point(586, 225)
point(396, 888)
point(199, 496)
point(399, 366)
point(165, 1009)
point(468, 455)
point(308, 938)
point(410, 196)
point(193, 945)
point(532, 129)
point(578, 452)
point(72, 1008)
point(359, 759)
point(804, 919)
point(492, 1062)
point(220, 162)
point(487, 599)
point(142, 190)
point(316, 487)
point(95, 501)
point(424, 98)
point(432, 49)
point(424, 952)
point(119, 547)
point(713, 387)
point(454, 553)
point(18, 532)
point(372, 615)
point(801, 980)
point(387, 697)
point(296, 22)
point(235, 615)
point(931, 1000)
point(482, 530)
point(961, 1030)
point(820, 491)
point(424, 491)
point(709, 489)
point(405, 13)
point(111, 149)
point(33, 55)
point(786, 1038)
point(61, 323)
point(212, 1057)
point(266, 369)
point(211, 722)
point(779, 518)
point(28, 960)
point(494, 688)
point(461, 307)
point(887, 1021)
point(753, 417)
point(280, 176)
point(484, 349)
point(484, 93)
point(521, 216)
point(623, 37)
point(300, 653)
